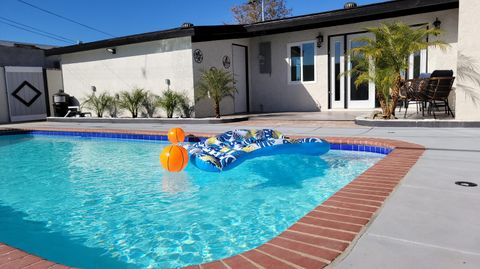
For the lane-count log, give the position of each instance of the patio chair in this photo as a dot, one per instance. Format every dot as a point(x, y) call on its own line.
point(75, 111)
point(413, 90)
point(437, 92)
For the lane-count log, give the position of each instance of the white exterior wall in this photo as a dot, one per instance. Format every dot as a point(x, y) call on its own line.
point(273, 93)
point(468, 79)
point(213, 52)
point(144, 65)
point(54, 83)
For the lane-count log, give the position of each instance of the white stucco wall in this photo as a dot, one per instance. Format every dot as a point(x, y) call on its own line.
point(272, 92)
point(213, 52)
point(468, 78)
point(54, 83)
point(144, 65)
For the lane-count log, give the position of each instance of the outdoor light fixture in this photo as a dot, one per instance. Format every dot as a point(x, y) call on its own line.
point(437, 23)
point(94, 89)
point(167, 81)
point(112, 50)
point(319, 40)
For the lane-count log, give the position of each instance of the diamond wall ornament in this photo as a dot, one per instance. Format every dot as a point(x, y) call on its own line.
point(26, 86)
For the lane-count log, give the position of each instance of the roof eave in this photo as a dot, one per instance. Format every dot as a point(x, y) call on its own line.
point(126, 40)
point(360, 14)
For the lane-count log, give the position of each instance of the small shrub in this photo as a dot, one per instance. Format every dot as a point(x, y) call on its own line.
point(169, 101)
point(132, 101)
point(113, 108)
point(185, 109)
point(150, 103)
point(98, 103)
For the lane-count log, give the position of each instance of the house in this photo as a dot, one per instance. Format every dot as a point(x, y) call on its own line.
point(291, 64)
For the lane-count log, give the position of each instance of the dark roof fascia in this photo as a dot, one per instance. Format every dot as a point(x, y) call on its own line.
point(219, 32)
point(125, 40)
point(363, 13)
point(377, 11)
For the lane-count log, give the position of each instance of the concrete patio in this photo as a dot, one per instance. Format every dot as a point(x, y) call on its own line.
point(427, 222)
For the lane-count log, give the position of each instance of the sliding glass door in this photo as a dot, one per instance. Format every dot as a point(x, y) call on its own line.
point(344, 93)
point(337, 68)
point(363, 95)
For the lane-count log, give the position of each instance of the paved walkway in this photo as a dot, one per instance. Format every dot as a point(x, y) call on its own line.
point(429, 222)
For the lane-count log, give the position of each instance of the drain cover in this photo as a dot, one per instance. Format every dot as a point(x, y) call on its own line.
point(466, 184)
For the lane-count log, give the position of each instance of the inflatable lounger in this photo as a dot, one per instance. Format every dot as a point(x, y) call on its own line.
point(227, 150)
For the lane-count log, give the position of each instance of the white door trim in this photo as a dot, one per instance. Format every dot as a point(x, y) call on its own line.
point(335, 104)
point(370, 102)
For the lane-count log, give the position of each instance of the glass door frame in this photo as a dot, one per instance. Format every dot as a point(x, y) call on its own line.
point(345, 101)
point(333, 41)
point(370, 102)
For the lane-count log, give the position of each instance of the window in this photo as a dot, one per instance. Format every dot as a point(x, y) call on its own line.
point(265, 59)
point(302, 62)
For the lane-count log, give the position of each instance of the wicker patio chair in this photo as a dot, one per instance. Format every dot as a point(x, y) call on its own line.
point(413, 90)
point(437, 92)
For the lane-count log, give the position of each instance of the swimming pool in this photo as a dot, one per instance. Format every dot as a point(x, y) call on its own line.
point(102, 203)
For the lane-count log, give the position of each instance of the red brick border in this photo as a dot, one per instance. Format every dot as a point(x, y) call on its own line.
point(12, 258)
point(320, 236)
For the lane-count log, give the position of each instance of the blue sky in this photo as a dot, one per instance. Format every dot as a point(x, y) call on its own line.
point(125, 17)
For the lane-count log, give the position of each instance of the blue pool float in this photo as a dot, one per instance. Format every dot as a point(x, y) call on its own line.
point(227, 150)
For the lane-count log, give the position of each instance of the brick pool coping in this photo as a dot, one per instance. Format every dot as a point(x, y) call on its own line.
point(317, 239)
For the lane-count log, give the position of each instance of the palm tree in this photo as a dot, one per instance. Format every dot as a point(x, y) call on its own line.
point(113, 105)
point(169, 101)
point(132, 101)
point(389, 52)
point(150, 103)
point(216, 84)
point(185, 108)
point(98, 103)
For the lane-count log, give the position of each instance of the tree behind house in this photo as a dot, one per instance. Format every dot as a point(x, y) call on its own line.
point(251, 11)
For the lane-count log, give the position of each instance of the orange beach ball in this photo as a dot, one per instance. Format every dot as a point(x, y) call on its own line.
point(176, 135)
point(174, 158)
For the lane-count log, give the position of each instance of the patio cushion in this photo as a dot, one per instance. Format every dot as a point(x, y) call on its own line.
point(442, 73)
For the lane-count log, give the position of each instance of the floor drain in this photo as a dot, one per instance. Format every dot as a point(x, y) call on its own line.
point(466, 184)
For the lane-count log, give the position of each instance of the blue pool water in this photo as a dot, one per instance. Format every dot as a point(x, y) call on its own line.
point(104, 203)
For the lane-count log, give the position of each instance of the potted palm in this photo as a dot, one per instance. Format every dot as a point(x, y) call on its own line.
point(132, 101)
point(216, 84)
point(98, 103)
point(383, 59)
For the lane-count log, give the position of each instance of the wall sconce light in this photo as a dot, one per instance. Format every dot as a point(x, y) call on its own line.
point(437, 23)
point(167, 81)
point(94, 89)
point(319, 40)
point(112, 50)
